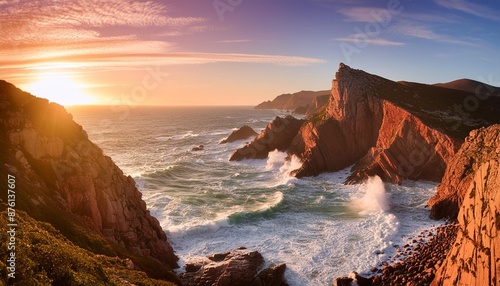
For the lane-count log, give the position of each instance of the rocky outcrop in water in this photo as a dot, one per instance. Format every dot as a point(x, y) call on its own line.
point(66, 180)
point(278, 135)
point(242, 133)
point(238, 267)
point(472, 182)
point(396, 130)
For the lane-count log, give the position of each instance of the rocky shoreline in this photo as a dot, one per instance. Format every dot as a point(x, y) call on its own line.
point(414, 264)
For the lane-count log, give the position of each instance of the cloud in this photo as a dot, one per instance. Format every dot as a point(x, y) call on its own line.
point(234, 41)
point(364, 39)
point(423, 32)
point(471, 8)
point(34, 33)
point(363, 14)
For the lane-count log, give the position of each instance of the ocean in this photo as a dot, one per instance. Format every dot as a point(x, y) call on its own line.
point(319, 227)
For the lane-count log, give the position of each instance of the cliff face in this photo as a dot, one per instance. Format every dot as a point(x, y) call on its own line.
point(292, 101)
point(460, 173)
point(397, 130)
point(475, 175)
point(66, 180)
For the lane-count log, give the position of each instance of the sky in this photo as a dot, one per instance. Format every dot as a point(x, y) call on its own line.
point(237, 52)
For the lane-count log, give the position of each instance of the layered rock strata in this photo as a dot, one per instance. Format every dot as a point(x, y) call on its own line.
point(475, 177)
point(396, 130)
point(460, 173)
point(66, 180)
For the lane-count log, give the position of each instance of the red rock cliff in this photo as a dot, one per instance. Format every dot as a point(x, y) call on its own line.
point(475, 177)
point(65, 179)
point(396, 130)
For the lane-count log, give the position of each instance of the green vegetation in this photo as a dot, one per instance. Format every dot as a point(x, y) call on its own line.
point(45, 257)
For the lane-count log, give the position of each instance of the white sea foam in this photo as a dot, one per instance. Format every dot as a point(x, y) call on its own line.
point(374, 197)
point(311, 224)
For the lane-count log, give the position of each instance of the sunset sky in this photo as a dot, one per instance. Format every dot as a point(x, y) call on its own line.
point(237, 52)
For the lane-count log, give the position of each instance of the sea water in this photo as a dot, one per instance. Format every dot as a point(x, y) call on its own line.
point(319, 227)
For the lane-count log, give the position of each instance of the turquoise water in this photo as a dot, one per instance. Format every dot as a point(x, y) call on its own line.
point(318, 226)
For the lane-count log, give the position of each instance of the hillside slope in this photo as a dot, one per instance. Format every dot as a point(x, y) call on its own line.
point(66, 180)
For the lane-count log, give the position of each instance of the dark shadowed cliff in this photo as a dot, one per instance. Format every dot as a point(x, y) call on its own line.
point(66, 180)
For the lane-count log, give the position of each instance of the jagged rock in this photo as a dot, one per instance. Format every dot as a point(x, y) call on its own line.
point(317, 103)
point(391, 129)
point(272, 276)
point(343, 281)
point(461, 171)
point(277, 135)
point(241, 134)
point(238, 267)
point(474, 258)
point(66, 180)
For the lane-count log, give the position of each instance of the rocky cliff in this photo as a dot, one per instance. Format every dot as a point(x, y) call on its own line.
point(292, 101)
point(460, 173)
point(397, 130)
point(473, 178)
point(66, 180)
point(278, 135)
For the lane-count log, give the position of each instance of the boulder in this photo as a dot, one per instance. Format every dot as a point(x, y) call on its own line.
point(277, 135)
point(241, 134)
point(238, 267)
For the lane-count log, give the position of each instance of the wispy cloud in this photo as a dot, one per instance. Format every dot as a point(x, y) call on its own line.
point(363, 14)
point(424, 32)
point(34, 33)
point(234, 41)
point(363, 39)
point(471, 8)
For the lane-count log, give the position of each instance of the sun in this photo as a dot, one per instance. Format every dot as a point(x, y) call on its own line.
point(61, 88)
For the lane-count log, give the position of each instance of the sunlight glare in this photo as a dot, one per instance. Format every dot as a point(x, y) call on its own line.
point(60, 88)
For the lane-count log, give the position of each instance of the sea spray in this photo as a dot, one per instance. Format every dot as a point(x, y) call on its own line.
point(310, 224)
point(374, 196)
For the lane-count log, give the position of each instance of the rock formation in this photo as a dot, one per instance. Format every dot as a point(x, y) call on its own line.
point(66, 180)
point(241, 134)
point(460, 173)
point(292, 101)
point(238, 267)
point(396, 130)
point(317, 103)
point(475, 177)
point(277, 135)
